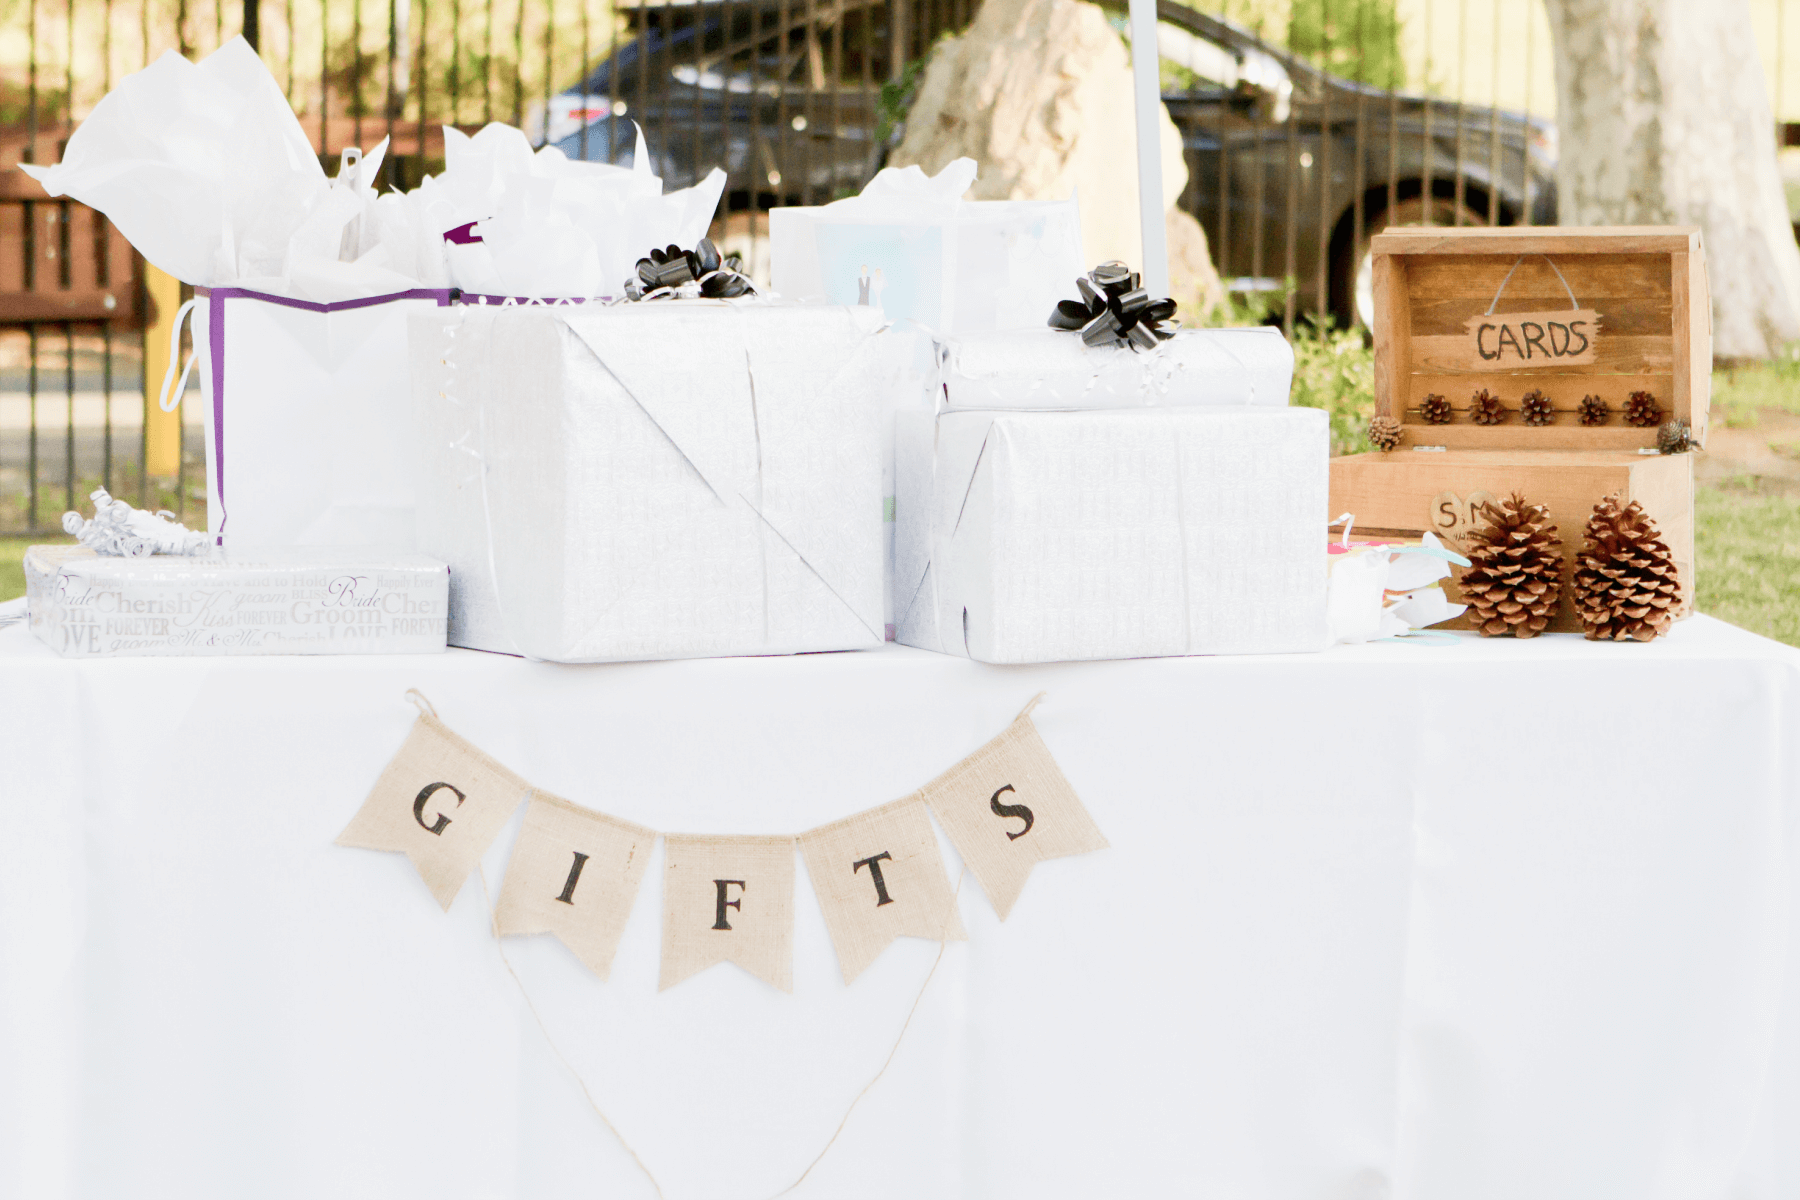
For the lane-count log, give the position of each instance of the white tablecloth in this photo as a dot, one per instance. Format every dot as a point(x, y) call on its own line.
point(1490, 919)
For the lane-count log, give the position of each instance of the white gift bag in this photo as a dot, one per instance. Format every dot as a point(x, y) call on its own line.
point(309, 421)
point(913, 246)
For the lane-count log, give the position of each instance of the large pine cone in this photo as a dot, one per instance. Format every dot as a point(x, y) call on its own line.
point(1536, 408)
point(1435, 410)
point(1594, 411)
point(1486, 409)
point(1626, 585)
point(1641, 410)
point(1515, 569)
point(1384, 433)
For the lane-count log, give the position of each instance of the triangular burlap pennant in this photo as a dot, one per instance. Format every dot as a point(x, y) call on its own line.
point(728, 899)
point(1007, 807)
point(879, 876)
point(574, 873)
point(439, 802)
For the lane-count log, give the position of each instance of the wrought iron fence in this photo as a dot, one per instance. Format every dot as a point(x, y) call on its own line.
point(1302, 133)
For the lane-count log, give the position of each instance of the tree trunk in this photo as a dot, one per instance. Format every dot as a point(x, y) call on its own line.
point(1663, 119)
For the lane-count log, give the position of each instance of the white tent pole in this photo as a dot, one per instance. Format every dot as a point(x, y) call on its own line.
point(1146, 83)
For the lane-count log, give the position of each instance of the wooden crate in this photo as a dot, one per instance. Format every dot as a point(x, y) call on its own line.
point(1645, 288)
point(1405, 495)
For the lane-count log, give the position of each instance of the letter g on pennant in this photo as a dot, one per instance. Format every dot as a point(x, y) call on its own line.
point(408, 809)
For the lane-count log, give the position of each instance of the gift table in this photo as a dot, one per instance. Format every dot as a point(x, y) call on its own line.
point(1482, 919)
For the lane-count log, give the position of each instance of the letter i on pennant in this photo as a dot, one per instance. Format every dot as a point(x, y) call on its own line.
point(1007, 807)
point(728, 899)
point(439, 802)
point(574, 873)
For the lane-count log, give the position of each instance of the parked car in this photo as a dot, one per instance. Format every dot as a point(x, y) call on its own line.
point(1278, 151)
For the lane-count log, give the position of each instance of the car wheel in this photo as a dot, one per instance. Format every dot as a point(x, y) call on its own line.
point(1352, 275)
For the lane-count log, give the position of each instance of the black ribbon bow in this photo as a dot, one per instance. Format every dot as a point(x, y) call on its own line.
point(666, 271)
point(1115, 310)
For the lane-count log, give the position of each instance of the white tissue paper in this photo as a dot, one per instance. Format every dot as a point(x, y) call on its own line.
point(912, 245)
point(541, 225)
point(304, 284)
point(1384, 589)
point(666, 479)
point(1051, 536)
point(1048, 368)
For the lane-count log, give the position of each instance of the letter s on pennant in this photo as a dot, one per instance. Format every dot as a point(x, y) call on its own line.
point(1012, 810)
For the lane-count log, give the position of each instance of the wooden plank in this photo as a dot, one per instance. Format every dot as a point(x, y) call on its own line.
point(1539, 239)
point(1700, 358)
point(1592, 277)
point(1403, 491)
point(1680, 338)
point(1567, 435)
point(1622, 315)
point(92, 304)
point(1616, 356)
point(1392, 331)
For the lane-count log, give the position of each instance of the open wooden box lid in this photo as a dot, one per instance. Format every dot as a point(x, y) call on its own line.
point(1573, 312)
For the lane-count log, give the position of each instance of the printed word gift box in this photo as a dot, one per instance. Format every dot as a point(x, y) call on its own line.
point(663, 479)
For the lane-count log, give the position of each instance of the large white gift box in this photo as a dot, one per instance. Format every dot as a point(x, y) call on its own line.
point(1115, 533)
point(665, 479)
point(297, 600)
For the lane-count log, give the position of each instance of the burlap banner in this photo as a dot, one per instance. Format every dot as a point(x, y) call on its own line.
point(878, 876)
point(439, 802)
point(1007, 807)
point(728, 899)
point(575, 873)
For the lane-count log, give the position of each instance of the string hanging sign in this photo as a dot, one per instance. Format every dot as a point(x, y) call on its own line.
point(1510, 341)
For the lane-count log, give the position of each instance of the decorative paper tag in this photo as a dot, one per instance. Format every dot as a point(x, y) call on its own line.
point(439, 802)
point(1007, 807)
point(574, 873)
point(1515, 341)
point(728, 899)
point(879, 876)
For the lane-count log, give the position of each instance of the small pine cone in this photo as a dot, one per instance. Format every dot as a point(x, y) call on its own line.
point(1536, 408)
point(1384, 433)
point(1486, 409)
point(1641, 410)
point(1594, 411)
point(1435, 410)
point(1515, 569)
point(1675, 437)
point(1626, 585)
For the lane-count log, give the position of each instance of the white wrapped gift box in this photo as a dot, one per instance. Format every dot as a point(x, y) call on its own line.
point(1119, 533)
point(668, 479)
point(1047, 368)
point(294, 600)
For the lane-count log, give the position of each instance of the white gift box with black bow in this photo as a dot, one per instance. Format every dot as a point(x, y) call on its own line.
point(666, 479)
point(1069, 503)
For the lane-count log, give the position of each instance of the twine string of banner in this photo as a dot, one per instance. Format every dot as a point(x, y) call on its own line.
point(943, 945)
point(531, 1007)
point(561, 1057)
